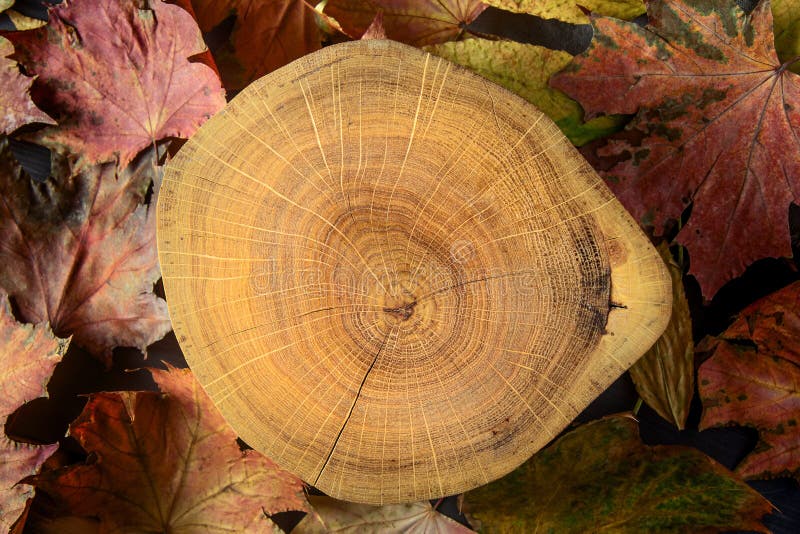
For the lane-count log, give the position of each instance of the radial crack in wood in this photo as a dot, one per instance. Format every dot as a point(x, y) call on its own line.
point(358, 394)
point(396, 279)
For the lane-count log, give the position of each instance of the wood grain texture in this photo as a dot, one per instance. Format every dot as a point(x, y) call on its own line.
point(396, 279)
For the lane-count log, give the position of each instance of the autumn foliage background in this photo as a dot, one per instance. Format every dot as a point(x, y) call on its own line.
point(689, 109)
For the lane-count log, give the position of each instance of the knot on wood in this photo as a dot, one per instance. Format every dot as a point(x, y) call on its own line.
point(403, 312)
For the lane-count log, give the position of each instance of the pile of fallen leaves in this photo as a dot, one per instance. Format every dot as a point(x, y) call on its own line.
point(690, 109)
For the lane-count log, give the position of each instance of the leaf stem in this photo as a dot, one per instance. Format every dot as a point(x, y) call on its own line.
point(637, 406)
point(788, 64)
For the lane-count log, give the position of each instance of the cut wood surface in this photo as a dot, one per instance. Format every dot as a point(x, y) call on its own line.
point(396, 279)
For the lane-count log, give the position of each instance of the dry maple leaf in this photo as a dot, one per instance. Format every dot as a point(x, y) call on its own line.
point(16, 106)
point(118, 77)
point(572, 10)
point(79, 252)
point(265, 35)
point(718, 127)
point(332, 515)
point(753, 378)
point(168, 462)
point(28, 355)
point(415, 22)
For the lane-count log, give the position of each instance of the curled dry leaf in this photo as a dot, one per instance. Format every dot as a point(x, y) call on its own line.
point(28, 355)
point(168, 462)
point(525, 70)
point(753, 378)
point(15, 102)
point(332, 515)
point(265, 35)
point(329, 26)
point(602, 478)
point(664, 376)
point(571, 10)
point(79, 251)
point(23, 22)
point(116, 92)
point(718, 127)
point(415, 22)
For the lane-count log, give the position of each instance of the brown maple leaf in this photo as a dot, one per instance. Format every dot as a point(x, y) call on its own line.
point(28, 355)
point(265, 35)
point(415, 22)
point(79, 252)
point(15, 102)
point(169, 463)
point(117, 77)
point(718, 127)
point(753, 378)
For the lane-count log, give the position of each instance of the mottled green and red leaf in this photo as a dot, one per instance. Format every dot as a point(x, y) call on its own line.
point(717, 127)
point(601, 478)
point(753, 378)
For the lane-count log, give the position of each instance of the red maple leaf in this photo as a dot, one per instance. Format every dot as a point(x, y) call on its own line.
point(718, 127)
point(169, 463)
point(28, 355)
point(117, 77)
point(79, 252)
